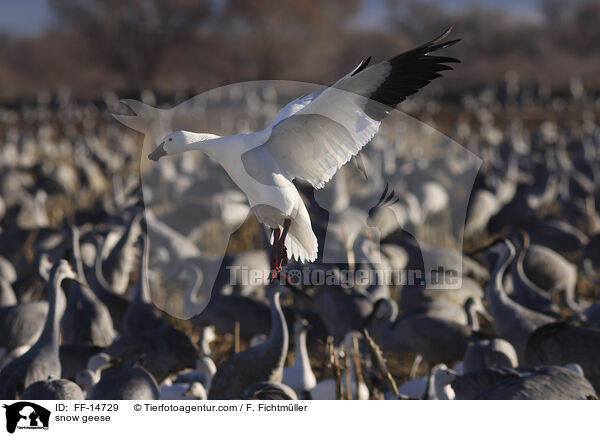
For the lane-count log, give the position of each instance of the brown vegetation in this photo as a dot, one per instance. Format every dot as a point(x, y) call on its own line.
point(190, 45)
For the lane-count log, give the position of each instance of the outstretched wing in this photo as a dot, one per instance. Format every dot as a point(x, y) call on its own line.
point(301, 102)
point(313, 136)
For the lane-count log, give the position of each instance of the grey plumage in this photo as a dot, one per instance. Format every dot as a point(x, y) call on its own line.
point(436, 340)
point(22, 324)
point(269, 391)
point(42, 359)
point(566, 342)
point(7, 270)
point(253, 315)
point(263, 362)
point(60, 389)
point(86, 318)
point(73, 357)
point(117, 304)
point(470, 385)
point(342, 309)
point(510, 320)
point(490, 353)
point(164, 352)
point(125, 383)
point(7, 294)
point(118, 261)
point(547, 383)
point(141, 314)
point(552, 272)
point(525, 292)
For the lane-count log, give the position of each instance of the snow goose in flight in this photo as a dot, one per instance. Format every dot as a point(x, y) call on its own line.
point(310, 139)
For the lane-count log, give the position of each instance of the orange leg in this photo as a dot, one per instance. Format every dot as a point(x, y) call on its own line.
point(279, 252)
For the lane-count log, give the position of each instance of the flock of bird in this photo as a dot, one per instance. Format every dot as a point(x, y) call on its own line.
point(77, 251)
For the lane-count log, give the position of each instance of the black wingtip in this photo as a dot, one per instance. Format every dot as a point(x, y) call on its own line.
point(361, 66)
point(436, 44)
point(441, 45)
point(442, 36)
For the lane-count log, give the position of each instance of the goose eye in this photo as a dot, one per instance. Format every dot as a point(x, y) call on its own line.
point(170, 139)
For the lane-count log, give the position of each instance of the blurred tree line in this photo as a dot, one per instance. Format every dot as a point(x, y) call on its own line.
point(194, 45)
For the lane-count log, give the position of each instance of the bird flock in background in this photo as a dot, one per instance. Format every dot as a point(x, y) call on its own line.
point(77, 318)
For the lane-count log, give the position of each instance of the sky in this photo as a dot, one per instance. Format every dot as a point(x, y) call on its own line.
point(20, 17)
point(24, 16)
point(374, 10)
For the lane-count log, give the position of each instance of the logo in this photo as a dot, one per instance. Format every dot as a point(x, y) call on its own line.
point(26, 415)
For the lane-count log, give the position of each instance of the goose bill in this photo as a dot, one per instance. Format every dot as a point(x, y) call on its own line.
point(158, 152)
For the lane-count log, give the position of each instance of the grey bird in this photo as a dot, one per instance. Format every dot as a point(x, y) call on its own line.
point(511, 321)
point(86, 318)
point(117, 304)
point(263, 362)
point(118, 261)
point(7, 294)
point(7, 270)
point(550, 271)
point(269, 391)
point(73, 357)
point(566, 342)
point(164, 352)
point(490, 353)
point(525, 292)
point(434, 340)
point(141, 314)
point(59, 389)
point(125, 383)
point(560, 236)
point(342, 309)
point(223, 311)
point(546, 383)
point(471, 384)
point(42, 359)
point(22, 324)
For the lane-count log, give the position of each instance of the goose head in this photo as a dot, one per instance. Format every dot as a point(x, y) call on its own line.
point(181, 141)
point(62, 270)
point(207, 336)
point(100, 361)
point(442, 378)
point(384, 308)
point(44, 266)
point(206, 364)
point(493, 251)
point(301, 325)
point(173, 143)
point(86, 379)
point(196, 391)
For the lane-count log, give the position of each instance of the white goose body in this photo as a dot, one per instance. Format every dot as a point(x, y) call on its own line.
point(272, 196)
point(310, 139)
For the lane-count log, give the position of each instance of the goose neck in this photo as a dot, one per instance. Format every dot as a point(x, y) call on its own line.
point(472, 319)
point(301, 353)
point(56, 305)
point(76, 253)
point(519, 269)
point(212, 145)
point(502, 264)
point(279, 333)
point(143, 286)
